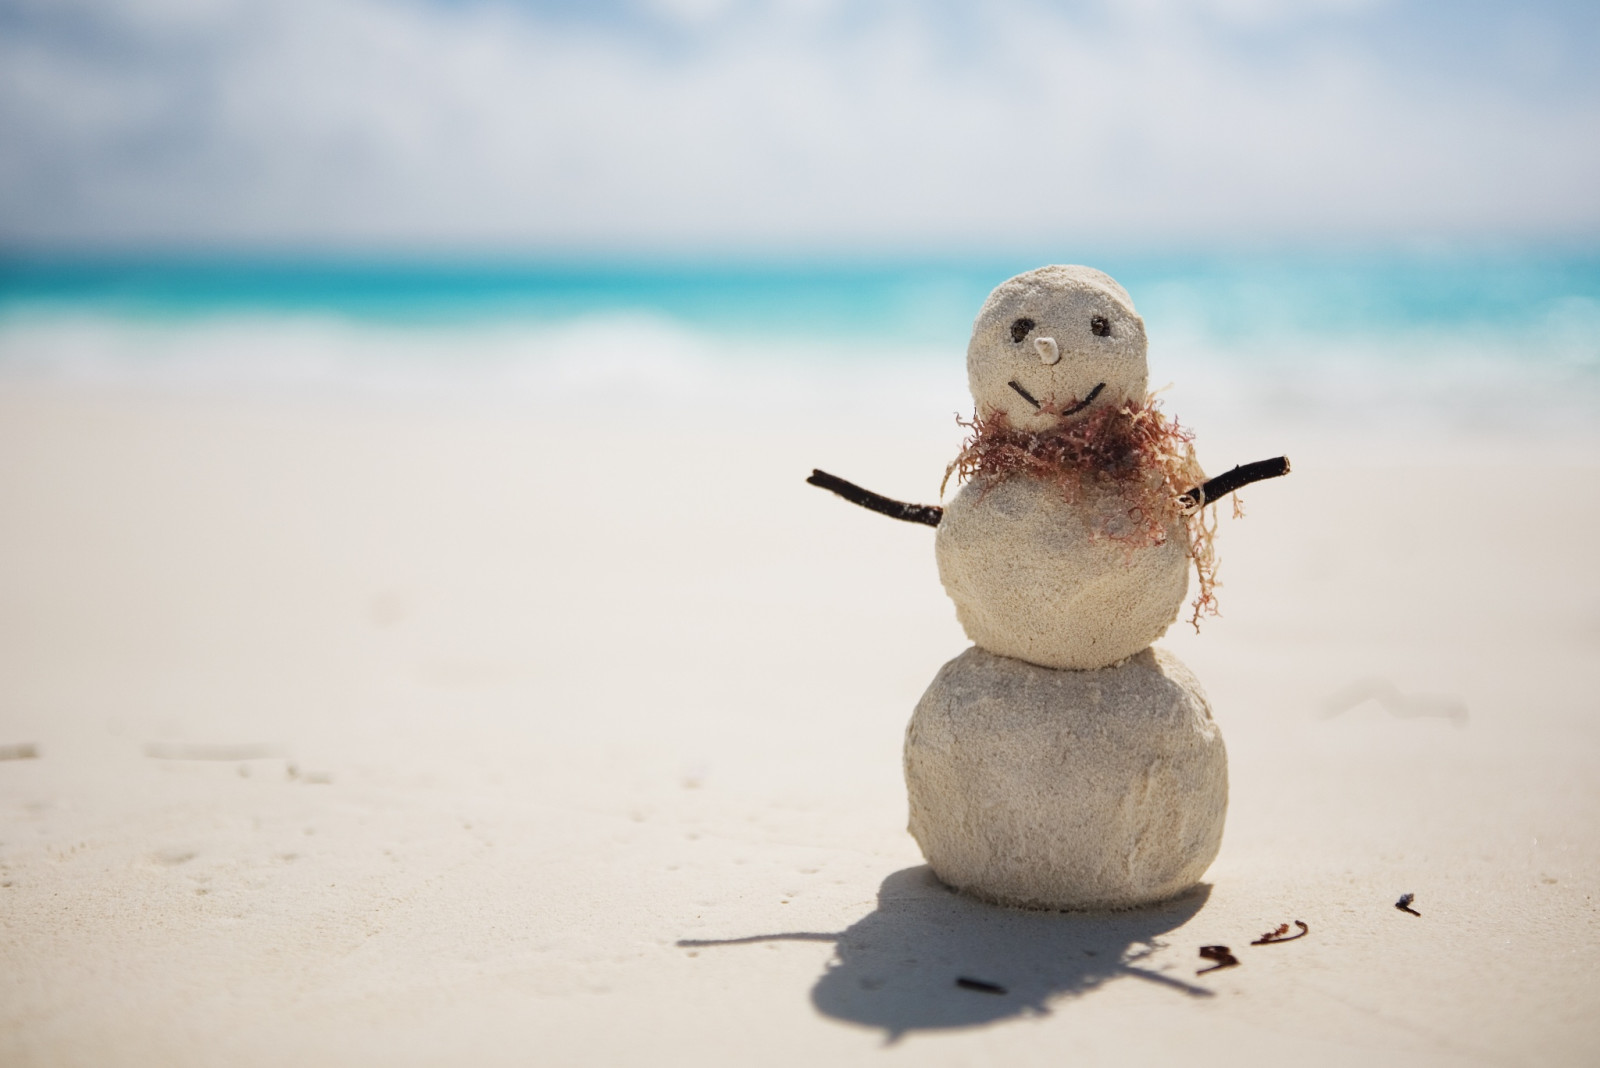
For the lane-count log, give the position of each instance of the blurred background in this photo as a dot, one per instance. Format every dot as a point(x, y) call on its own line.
point(414, 621)
point(801, 203)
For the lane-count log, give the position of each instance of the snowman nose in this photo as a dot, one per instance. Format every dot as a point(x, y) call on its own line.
point(1049, 351)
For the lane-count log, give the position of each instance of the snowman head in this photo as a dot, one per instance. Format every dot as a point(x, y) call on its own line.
point(1053, 343)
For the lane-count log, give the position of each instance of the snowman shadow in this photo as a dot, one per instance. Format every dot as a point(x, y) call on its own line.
point(929, 958)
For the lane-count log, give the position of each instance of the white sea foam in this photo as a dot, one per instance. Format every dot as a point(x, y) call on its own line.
point(1431, 394)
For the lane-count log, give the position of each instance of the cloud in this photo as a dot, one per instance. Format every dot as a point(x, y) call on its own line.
point(695, 124)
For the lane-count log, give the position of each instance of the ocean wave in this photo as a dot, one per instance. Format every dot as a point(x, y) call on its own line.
point(1360, 357)
point(1430, 389)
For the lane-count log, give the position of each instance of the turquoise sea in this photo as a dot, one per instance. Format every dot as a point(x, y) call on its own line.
point(1500, 344)
point(1223, 299)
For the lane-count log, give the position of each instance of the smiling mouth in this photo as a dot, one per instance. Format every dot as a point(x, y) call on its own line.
point(1074, 410)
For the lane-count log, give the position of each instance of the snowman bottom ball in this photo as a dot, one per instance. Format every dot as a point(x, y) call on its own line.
point(1045, 788)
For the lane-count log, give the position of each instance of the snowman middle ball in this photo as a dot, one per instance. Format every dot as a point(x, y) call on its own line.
point(1033, 576)
point(1085, 569)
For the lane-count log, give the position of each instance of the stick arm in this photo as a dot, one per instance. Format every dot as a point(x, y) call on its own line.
point(1217, 488)
point(1210, 492)
point(929, 514)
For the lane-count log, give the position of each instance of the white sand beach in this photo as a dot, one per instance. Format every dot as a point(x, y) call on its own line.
point(351, 734)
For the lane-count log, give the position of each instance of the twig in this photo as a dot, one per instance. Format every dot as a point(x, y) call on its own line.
point(1217, 488)
point(1404, 904)
point(931, 514)
point(1081, 405)
point(1282, 934)
point(1074, 410)
point(1221, 954)
point(980, 985)
point(911, 513)
point(1014, 384)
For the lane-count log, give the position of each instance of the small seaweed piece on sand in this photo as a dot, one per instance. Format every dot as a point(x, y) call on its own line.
point(980, 985)
point(1404, 904)
point(1281, 934)
point(1221, 954)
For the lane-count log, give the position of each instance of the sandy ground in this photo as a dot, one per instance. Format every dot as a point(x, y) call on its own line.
point(378, 737)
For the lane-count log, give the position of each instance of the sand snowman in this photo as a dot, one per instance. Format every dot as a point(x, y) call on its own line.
point(1062, 761)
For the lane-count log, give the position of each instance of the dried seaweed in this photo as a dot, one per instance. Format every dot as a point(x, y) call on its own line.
point(1221, 954)
point(1281, 934)
point(1134, 452)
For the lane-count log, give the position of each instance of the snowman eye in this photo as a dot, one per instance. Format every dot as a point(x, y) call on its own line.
point(1020, 328)
point(1098, 326)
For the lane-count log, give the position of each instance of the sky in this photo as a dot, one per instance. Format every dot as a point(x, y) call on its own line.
point(794, 125)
